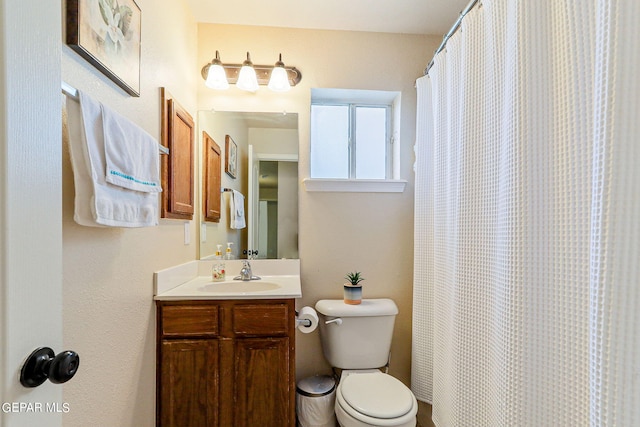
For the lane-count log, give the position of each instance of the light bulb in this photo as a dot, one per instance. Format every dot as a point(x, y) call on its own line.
point(217, 76)
point(247, 79)
point(279, 81)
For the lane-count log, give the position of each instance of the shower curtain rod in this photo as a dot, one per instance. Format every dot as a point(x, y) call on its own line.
point(451, 32)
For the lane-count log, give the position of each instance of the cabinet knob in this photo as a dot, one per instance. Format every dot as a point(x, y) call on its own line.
point(44, 364)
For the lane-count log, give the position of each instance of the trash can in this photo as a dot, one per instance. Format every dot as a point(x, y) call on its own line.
point(315, 400)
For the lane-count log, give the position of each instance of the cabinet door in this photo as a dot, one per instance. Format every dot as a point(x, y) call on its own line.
point(189, 390)
point(181, 160)
point(211, 178)
point(177, 168)
point(262, 383)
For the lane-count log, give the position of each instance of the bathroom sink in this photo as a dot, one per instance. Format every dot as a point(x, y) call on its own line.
point(203, 288)
point(238, 286)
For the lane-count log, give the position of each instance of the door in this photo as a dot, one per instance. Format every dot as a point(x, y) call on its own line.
point(30, 203)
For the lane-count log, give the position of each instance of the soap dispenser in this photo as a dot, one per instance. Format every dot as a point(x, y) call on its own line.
point(218, 270)
point(229, 255)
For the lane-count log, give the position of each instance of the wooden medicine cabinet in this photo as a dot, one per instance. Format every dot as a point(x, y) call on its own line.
point(177, 168)
point(211, 179)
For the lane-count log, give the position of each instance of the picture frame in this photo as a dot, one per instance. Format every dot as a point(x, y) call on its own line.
point(107, 34)
point(231, 157)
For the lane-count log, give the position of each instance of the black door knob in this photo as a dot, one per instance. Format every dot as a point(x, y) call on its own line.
point(43, 363)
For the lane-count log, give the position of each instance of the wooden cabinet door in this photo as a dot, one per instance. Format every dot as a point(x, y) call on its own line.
point(189, 383)
point(262, 391)
point(178, 179)
point(212, 161)
point(181, 160)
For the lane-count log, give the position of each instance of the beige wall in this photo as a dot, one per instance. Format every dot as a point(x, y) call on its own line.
point(274, 141)
point(288, 210)
point(339, 232)
point(108, 273)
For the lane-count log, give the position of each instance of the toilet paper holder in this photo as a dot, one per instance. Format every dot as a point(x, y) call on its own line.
point(303, 322)
point(306, 320)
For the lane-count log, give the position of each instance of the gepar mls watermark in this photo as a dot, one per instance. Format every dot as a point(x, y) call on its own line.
point(36, 407)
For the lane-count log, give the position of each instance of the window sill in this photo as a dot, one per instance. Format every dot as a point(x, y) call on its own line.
point(355, 185)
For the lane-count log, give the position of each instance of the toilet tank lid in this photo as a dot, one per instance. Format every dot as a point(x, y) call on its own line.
point(368, 307)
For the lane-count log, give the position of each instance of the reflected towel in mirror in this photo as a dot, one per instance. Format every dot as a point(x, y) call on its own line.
point(236, 208)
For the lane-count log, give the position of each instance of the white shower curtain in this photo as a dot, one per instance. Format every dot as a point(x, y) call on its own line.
point(527, 246)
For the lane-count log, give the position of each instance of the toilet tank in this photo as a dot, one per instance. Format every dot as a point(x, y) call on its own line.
point(362, 340)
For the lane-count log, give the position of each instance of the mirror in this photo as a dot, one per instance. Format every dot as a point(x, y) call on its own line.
point(266, 173)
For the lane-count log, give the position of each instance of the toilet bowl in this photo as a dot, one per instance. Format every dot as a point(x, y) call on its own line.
point(371, 398)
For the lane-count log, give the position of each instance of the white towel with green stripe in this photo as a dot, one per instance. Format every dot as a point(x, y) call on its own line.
point(131, 154)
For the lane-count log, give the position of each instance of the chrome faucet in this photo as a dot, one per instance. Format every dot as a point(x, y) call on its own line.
point(245, 273)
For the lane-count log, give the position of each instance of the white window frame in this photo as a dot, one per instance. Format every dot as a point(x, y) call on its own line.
point(353, 99)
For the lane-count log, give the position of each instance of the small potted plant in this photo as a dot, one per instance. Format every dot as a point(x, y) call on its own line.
point(353, 288)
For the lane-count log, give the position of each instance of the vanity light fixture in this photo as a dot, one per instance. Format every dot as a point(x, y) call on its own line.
point(279, 78)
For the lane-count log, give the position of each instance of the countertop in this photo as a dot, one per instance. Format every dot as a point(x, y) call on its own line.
point(192, 281)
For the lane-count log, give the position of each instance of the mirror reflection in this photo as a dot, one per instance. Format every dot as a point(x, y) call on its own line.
point(266, 175)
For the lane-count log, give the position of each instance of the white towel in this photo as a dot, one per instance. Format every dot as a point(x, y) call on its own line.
point(131, 154)
point(81, 172)
point(97, 202)
point(236, 207)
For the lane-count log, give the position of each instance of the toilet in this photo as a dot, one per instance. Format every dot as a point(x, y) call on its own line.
point(357, 340)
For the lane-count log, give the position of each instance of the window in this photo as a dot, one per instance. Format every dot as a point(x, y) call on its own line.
point(329, 141)
point(350, 141)
point(353, 135)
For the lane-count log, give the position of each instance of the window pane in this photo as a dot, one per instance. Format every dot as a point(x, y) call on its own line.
point(329, 141)
point(371, 144)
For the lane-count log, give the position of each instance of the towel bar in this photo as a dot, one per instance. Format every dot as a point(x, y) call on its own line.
point(72, 93)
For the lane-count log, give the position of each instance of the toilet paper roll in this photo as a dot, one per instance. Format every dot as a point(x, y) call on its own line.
point(307, 313)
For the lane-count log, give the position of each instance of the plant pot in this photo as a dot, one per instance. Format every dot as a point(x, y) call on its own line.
point(352, 294)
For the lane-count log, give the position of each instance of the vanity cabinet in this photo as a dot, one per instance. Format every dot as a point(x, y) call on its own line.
point(226, 363)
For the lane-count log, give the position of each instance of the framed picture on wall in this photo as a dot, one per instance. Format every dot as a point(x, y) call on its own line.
point(107, 34)
point(231, 157)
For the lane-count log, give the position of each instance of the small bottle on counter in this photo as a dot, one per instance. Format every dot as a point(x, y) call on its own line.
point(229, 254)
point(218, 272)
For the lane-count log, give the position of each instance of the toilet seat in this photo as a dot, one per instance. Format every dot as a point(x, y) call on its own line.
point(376, 399)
